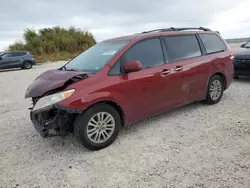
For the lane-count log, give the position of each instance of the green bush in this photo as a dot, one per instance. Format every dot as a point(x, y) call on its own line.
point(55, 43)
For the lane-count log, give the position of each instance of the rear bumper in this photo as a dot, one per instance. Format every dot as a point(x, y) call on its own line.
point(34, 62)
point(241, 69)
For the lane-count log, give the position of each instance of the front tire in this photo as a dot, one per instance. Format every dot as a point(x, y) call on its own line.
point(215, 90)
point(98, 127)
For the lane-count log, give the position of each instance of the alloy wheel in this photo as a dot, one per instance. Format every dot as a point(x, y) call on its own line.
point(27, 65)
point(100, 127)
point(215, 90)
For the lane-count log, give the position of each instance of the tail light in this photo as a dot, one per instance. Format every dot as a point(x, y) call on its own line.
point(231, 55)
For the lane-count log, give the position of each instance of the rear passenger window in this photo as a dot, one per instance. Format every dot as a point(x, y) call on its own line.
point(182, 47)
point(212, 43)
point(148, 52)
point(22, 53)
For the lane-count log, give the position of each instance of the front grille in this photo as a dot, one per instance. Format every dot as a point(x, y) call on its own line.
point(241, 60)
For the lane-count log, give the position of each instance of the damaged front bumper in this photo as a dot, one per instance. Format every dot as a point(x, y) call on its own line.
point(55, 120)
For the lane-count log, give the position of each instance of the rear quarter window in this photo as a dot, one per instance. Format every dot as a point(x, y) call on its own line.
point(212, 43)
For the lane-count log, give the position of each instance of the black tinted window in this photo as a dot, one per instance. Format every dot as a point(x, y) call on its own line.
point(212, 43)
point(182, 47)
point(22, 53)
point(148, 52)
point(16, 54)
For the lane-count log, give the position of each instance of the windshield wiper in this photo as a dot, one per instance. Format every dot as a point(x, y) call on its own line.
point(64, 68)
point(72, 70)
point(79, 70)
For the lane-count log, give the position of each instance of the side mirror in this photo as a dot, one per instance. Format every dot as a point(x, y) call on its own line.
point(132, 66)
point(243, 45)
point(1, 58)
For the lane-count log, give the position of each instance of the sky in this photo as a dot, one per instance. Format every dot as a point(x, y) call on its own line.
point(113, 18)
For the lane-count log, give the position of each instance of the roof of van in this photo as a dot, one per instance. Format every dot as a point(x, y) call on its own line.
point(158, 32)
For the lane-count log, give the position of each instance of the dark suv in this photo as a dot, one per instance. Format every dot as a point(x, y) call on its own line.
point(122, 80)
point(16, 59)
point(242, 61)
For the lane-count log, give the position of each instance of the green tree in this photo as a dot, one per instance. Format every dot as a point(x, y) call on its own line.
point(55, 43)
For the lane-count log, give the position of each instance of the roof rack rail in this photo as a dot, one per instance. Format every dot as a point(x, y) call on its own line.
point(159, 30)
point(191, 28)
point(178, 29)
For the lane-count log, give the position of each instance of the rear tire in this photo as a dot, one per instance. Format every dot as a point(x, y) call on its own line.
point(27, 65)
point(215, 90)
point(92, 131)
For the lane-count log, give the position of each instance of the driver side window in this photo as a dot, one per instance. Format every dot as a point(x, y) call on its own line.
point(148, 52)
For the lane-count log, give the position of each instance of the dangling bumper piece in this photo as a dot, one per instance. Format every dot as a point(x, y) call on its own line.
point(53, 121)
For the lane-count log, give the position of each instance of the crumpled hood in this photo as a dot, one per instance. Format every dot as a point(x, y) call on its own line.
point(51, 80)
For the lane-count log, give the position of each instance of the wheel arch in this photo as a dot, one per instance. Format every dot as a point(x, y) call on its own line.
point(114, 105)
point(27, 60)
point(223, 78)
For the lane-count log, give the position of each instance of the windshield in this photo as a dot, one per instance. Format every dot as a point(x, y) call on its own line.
point(247, 44)
point(95, 57)
point(3, 55)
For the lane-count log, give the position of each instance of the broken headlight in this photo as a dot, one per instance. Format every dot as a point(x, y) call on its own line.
point(49, 100)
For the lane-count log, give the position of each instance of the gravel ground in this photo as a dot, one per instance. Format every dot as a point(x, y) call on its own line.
point(194, 146)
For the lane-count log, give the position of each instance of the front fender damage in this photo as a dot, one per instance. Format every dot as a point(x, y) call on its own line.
point(55, 120)
point(52, 81)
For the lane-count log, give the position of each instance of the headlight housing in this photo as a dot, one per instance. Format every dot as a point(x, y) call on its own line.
point(49, 100)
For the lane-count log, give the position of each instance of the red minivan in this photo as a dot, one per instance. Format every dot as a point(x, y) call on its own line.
point(122, 80)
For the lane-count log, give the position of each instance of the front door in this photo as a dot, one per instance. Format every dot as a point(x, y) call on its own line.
point(15, 59)
point(4, 61)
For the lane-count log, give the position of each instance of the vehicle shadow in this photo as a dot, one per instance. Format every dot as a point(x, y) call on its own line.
point(10, 70)
point(18, 69)
point(71, 143)
point(242, 79)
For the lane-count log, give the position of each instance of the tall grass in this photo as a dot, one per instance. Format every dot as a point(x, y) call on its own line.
point(50, 44)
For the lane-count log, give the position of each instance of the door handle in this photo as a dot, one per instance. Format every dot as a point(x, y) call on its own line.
point(178, 68)
point(165, 72)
